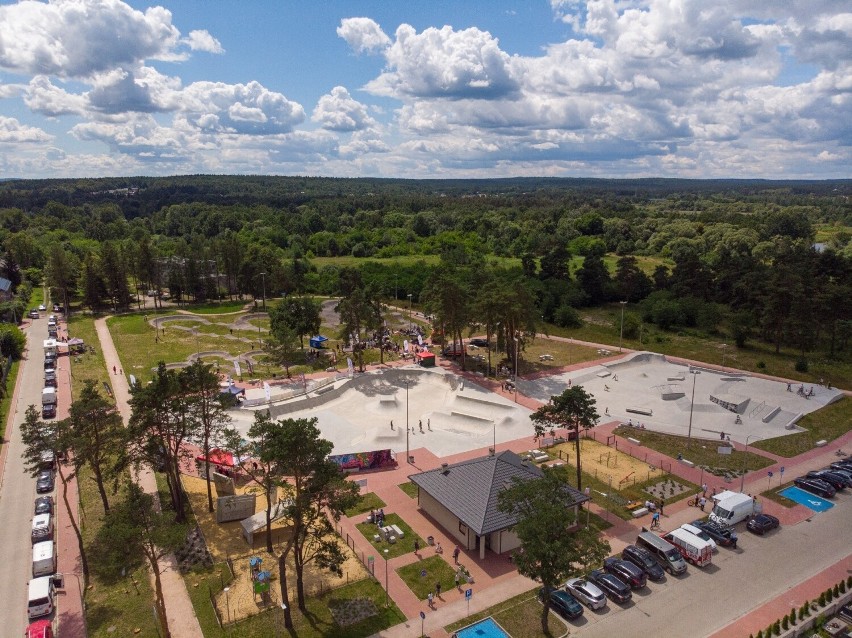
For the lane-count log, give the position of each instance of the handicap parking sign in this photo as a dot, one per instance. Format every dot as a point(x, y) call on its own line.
point(468, 594)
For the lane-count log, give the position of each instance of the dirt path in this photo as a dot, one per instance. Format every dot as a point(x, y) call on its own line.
point(179, 611)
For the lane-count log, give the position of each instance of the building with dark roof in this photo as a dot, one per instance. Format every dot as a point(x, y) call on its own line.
point(5, 289)
point(463, 498)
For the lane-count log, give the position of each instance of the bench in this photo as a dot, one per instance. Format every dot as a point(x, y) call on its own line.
point(640, 512)
point(642, 411)
point(821, 443)
point(397, 532)
point(634, 441)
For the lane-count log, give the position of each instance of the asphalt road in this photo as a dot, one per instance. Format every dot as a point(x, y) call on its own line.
point(705, 600)
point(18, 493)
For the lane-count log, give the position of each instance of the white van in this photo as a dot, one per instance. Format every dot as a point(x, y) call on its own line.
point(700, 533)
point(42, 528)
point(733, 507)
point(44, 559)
point(694, 549)
point(41, 595)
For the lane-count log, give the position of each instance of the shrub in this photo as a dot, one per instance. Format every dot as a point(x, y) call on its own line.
point(567, 317)
point(849, 581)
point(842, 586)
point(821, 600)
point(776, 628)
point(803, 611)
point(801, 365)
point(760, 634)
point(829, 595)
point(761, 365)
point(785, 623)
point(793, 616)
point(836, 591)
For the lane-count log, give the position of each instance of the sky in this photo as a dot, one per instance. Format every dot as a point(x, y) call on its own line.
point(427, 89)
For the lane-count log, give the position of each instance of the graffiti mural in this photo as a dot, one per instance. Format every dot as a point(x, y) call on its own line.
point(365, 461)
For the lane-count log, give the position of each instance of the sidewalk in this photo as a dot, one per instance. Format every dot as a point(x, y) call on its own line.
point(179, 611)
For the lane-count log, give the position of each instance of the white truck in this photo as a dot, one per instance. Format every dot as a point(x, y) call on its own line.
point(48, 402)
point(732, 507)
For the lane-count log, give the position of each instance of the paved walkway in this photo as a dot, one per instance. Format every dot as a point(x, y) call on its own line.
point(179, 611)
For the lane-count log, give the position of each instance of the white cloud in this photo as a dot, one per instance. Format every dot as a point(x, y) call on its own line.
point(42, 96)
point(77, 38)
point(363, 34)
point(444, 63)
point(338, 111)
point(13, 132)
point(203, 41)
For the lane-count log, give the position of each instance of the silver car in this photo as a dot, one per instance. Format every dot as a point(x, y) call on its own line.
point(586, 592)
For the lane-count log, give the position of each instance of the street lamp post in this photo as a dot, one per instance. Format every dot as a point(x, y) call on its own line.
point(387, 594)
point(227, 603)
point(694, 374)
point(517, 344)
point(621, 336)
point(409, 311)
point(407, 452)
point(263, 276)
point(745, 460)
point(724, 353)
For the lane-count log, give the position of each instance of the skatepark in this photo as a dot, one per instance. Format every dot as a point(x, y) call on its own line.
point(370, 411)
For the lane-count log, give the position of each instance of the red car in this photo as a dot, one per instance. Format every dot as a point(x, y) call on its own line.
point(40, 629)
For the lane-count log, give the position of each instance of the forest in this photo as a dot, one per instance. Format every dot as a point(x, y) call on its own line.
point(750, 259)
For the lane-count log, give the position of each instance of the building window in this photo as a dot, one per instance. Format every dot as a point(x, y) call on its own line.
point(463, 528)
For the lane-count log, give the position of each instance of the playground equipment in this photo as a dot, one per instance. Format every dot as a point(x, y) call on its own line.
point(260, 579)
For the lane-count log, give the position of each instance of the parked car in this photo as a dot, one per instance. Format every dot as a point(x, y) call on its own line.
point(846, 473)
point(612, 585)
point(44, 505)
point(723, 535)
point(643, 559)
point(815, 486)
point(626, 571)
point(33, 314)
point(586, 592)
point(478, 342)
point(836, 480)
point(700, 533)
point(39, 629)
point(563, 603)
point(762, 523)
point(48, 411)
point(843, 464)
point(41, 308)
point(50, 361)
point(44, 482)
point(56, 308)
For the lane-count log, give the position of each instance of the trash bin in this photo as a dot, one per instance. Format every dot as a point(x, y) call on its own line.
point(430, 540)
point(411, 459)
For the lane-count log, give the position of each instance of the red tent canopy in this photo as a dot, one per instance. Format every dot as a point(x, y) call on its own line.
point(218, 457)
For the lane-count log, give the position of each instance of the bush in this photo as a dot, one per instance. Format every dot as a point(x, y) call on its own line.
point(803, 611)
point(785, 623)
point(567, 317)
point(801, 365)
point(849, 581)
point(837, 591)
point(842, 586)
point(760, 634)
point(793, 616)
point(776, 628)
point(12, 341)
point(829, 596)
point(821, 600)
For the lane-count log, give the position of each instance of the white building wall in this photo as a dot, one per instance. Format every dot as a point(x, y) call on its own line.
point(446, 519)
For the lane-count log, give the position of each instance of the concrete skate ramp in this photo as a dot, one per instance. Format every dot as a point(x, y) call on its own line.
point(483, 401)
point(669, 391)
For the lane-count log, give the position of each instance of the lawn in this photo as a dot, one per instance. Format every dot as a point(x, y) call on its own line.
point(409, 488)
point(827, 424)
point(88, 366)
point(519, 615)
point(219, 308)
point(562, 353)
point(112, 609)
point(367, 502)
point(702, 452)
point(402, 545)
point(436, 569)
point(774, 494)
point(601, 325)
point(6, 401)
point(318, 621)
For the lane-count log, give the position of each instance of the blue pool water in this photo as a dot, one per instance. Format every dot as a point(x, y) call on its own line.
point(483, 629)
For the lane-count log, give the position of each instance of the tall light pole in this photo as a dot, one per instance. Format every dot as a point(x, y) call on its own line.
point(407, 452)
point(387, 595)
point(409, 311)
point(621, 336)
point(724, 353)
point(694, 374)
point(263, 276)
point(517, 344)
point(745, 460)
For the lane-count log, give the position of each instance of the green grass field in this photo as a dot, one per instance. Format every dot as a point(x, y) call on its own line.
point(826, 424)
point(6, 401)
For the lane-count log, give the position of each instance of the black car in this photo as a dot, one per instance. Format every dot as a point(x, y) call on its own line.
point(563, 603)
point(617, 590)
point(844, 465)
point(837, 481)
point(479, 343)
point(643, 559)
point(44, 505)
point(722, 534)
point(44, 482)
point(845, 473)
point(626, 571)
point(50, 362)
point(815, 486)
point(48, 411)
point(762, 523)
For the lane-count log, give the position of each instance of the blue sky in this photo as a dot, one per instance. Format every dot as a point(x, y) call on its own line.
point(603, 88)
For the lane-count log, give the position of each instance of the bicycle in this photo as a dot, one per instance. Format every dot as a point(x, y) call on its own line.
point(693, 502)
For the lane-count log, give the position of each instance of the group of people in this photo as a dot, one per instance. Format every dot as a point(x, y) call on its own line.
point(378, 517)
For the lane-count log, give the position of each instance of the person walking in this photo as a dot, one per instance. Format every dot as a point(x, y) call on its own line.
point(661, 507)
point(431, 601)
point(416, 547)
point(702, 502)
point(438, 589)
point(458, 577)
point(456, 553)
point(704, 489)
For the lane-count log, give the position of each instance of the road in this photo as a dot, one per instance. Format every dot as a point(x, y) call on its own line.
point(18, 492)
point(706, 600)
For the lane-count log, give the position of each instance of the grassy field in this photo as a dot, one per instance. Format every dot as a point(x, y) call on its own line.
point(437, 571)
point(90, 365)
point(6, 401)
point(367, 502)
point(317, 623)
point(826, 424)
point(519, 615)
point(702, 452)
point(409, 488)
point(216, 308)
point(402, 545)
point(601, 326)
